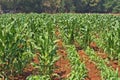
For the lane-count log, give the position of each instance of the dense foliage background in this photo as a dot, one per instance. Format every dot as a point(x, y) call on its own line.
point(56, 6)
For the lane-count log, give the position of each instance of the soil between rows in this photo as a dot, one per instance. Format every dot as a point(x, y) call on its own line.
point(93, 71)
point(62, 65)
point(63, 68)
point(112, 63)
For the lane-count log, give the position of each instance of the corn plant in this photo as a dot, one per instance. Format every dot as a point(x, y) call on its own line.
point(37, 77)
point(111, 38)
point(107, 72)
point(24, 35)
point(44, 44)
point(78, 67)
point(68, 30)
point(15, 49)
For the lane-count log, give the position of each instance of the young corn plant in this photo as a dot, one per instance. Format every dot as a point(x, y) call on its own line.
point(78, 71)
point(68, 31)
point(118, 44)
point(107, 72)
point(38, 77)
point(21, 35)
point(112, 40)
point(47, 50)
point(84, 37)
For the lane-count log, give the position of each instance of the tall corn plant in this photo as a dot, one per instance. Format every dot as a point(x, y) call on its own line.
point(118, 44)
point(85, 29)
point(67, 31)
point(44, 44)
point(86, 37)
point(112, 40)
point(15, 49)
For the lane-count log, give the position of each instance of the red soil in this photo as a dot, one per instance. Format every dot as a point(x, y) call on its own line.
point(63, 68)
point(93, 45)
point(27, 71)
point(36, 59)
point(62, 65)
point(93, 71)
point(102, 55)
point(113, 63)
point(77, 46)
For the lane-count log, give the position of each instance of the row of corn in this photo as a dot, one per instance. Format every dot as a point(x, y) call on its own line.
point(22, 36)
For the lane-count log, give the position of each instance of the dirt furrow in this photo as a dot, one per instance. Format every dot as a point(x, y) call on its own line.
point(113, 63)
point(62, 65)
point(93, 71)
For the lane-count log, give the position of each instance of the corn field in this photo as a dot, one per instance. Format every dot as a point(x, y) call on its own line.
point(24, 37)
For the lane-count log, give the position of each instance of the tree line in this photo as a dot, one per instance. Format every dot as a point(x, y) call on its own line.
point(61, 6)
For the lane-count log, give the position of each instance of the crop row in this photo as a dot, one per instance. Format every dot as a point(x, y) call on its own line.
point(22, 36)
point(107, 73)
